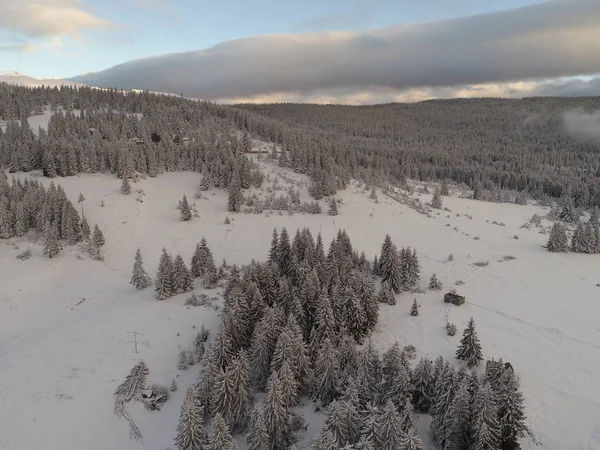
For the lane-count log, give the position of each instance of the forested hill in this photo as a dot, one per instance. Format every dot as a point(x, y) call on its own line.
point(487, 143)
point(495, 146)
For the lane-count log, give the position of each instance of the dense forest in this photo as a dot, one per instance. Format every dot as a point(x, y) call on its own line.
point(491, 145)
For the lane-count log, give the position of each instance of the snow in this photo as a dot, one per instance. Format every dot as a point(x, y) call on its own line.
point(60, 361)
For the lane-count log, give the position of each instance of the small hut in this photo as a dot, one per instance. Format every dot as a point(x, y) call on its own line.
point(455, 299)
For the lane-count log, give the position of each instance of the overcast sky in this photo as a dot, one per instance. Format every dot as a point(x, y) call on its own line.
point(346, 51)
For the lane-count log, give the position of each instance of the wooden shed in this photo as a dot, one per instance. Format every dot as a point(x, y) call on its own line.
point(453, 298)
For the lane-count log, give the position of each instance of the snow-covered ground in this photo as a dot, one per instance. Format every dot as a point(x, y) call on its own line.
point(61, 358)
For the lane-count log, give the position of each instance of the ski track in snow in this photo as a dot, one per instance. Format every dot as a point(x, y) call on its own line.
point(59, 366)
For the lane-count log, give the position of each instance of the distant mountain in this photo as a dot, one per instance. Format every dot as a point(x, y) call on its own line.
point(23, 80)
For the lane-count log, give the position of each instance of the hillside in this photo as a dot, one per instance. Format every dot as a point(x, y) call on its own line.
point(68, 340)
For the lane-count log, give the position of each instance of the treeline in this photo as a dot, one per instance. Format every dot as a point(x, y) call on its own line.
point(494, 146)
point(27, 206)
point(290, 331)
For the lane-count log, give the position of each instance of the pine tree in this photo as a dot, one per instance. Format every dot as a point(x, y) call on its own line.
point(567, 214)
point(236, 197)
point(414, 309)
point(436, 201)
point(258, 438)
point(190, 430)
point(182, 278)
point(458, 419)
point(333, 207)
point(485, 427)
point(289, 385)
point(386, 295)
point(125, 186)
point(242, 394)
point(558, 242)
point(51, 246)
point(469, 349)
point(85, 229)
point(276, 414)
point(435, 284)
point(444, 188)
point(511, 411)
point(390, 267)
point(186, 213)
point(274, 249)
point(413, 441)
point(139, 277)
point(406, 415)
point(195, 267)
point(221, 438)
point(326, 372)
point(578, 241)
point(163, 286)
point(389, 429)
point(98, 240)
point(410, 269)
point(422, 380)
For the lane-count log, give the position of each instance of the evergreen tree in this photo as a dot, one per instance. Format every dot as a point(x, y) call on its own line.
point(390, 267)
point(258, 438)
point(85, 229)
point(98, 240)
point(190, 430)
point(276, 414)
point(436, 201)
point(578, 240)
point(435, 284)
point(221, 438)
point(413, 441)
point(511, 411)
point(51, 246)
point(289, 385)
point(414, 309)
point(567, 214)
point(195, 267)
point(139, 277)
point(389, 429)
point(326, 372)
point(274, 249)
point(163, 285)
point(469, 349)
point(336, 424)
point(406, 415)
point(444, 188)
point(485, 427)
point(125, 186)
point(186, 212)
point(558, 241)
point(242, 394)
point(457, 421)
point(285, 253)
point(333, 207)
point(182, 278)
point(422, 381)
point(386, 295)
point(236, 197)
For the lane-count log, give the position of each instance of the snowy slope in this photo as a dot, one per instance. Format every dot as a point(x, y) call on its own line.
point(60, 363)
point(24, 80)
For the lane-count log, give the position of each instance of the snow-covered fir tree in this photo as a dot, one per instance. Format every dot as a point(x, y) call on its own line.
point(422, 382)
point(163, 285)
point(390, 265)
point(277, 414)
point(511, 411)
point(98, 240)
point(51, 245)
point(435, 284)
point(414, 309)
point(485, 429)
point(125, 186)
point(258, 438)
point(469, 349)
point(182, 278)
point(139, 277)
point(220, 437)
point(436, 200)
point(333, 207)
point(558, 241)
point(184, 209)
point(390, 435)
point(190, 430)
point(386, 295)
point(236, 197)
point(85, 229)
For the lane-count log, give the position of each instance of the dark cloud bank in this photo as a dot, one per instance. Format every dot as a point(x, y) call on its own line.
point(545, 43)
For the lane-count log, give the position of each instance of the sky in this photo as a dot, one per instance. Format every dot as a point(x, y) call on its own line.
point(326, 51)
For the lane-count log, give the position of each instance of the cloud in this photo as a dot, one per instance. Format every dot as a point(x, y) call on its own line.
point(23, 47)
point(582, 124)
point(48, 18)
point(469, 55)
